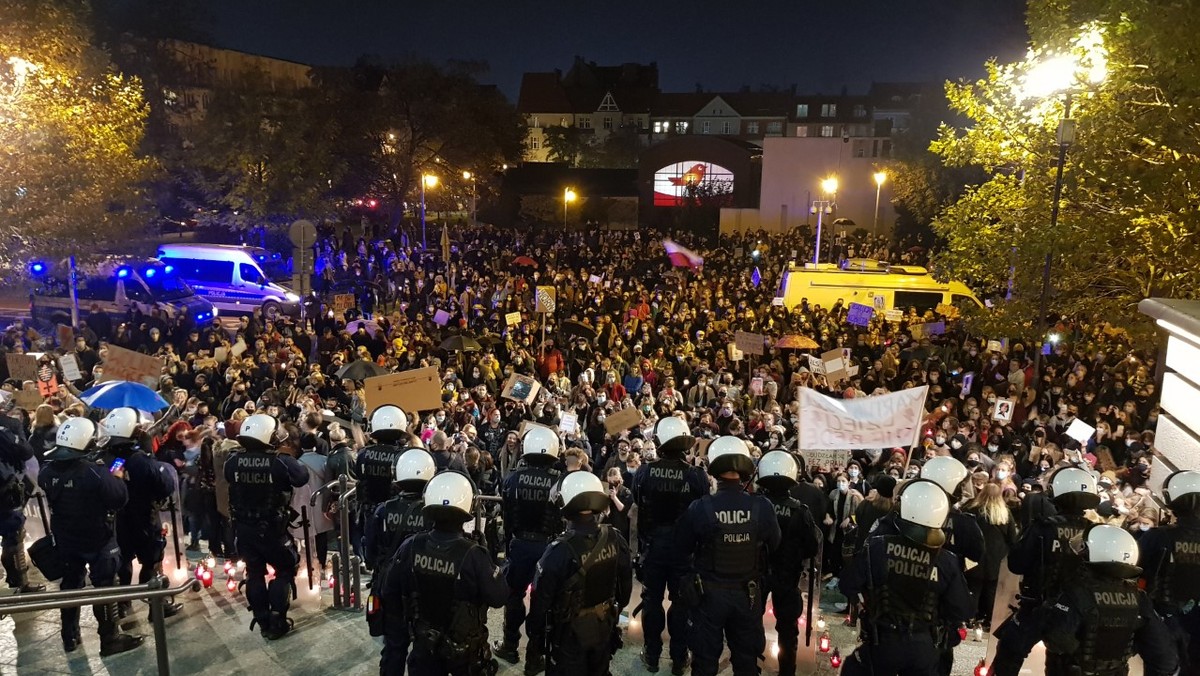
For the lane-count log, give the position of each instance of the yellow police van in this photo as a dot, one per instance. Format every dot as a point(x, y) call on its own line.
point(874, 283)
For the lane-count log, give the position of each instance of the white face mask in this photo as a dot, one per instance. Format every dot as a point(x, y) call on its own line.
point(1143, 527)
point(601, 399)
point(853, 473)
point(1002, 474)
point(940, 439)
point(843, 486)
point(956, 443)
point(993, 448)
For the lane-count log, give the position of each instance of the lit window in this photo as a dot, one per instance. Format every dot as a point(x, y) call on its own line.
point(681, 127)
point(533, 122)
point(752, 128)
point(661, 127)
point(535, 143)
point(802, 110)
point(802, 131)
point(829, 110)
point(827, 130)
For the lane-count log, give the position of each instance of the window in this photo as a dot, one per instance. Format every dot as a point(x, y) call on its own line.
point(707, 128)
point(827, 130)
point(96, 288)
point(828, 110)
point(135, 291)
point(209, 272)
point(533, 122)
point(681, 127)
point(726, 128)
point(802, 110)
point(535, 143)
point(921, 300)
point(585, 122)
point(661, 127)
point(250, 274)
point(607, 122)
point(752, 128)
point(860, 110)
point(775, 127)
point(802, 131)
point(962, 302)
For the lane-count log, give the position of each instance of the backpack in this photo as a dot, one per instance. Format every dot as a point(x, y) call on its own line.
point(14, 486)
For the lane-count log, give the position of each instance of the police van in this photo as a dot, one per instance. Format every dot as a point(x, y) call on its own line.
point(235, 279)
point(117, 286)
point(883, 286)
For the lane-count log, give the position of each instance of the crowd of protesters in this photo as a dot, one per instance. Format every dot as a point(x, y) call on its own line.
point(627, 330)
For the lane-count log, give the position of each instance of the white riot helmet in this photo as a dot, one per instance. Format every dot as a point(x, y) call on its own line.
point(1074, 489)
point(582, 491)
point(1180, 485)
point(673, 435)
point(414, 468)
point(729, 454)
point(924, 508)
point(449, 496)
point(120, 423)
point(73, 440)
point(778, 469)
point(388, 423)
point(1112, 548)
point(946, 472)
point(539, 442)
point(258, 432)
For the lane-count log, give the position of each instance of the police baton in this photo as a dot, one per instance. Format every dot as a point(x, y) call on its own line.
point(175, 531)
point(814, 574)
point(307, 542)
point(41, 500)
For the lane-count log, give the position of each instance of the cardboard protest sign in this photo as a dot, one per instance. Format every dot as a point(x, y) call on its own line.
point(622, 420)
point(995, 346)
point(546, 299)
point(520, 388)
point(70, 367)
point(65, 335)
point(21, 366)
point(734, 353)
point(593, 279)
point(122, 364)
point(569, 423)
point(342, 302)
point(1004, 410)
point(512, 318)
point(28, 400)
point(815, 364)
point(750, 343)
point(221, 354)
point(835, 365)
point(756, 386)
point(238, 348)
point(893, 315)
point(777, 301)
point(1080, 431)
point(859, 314)
point(947, 311)
point(417, 390)
point(881, 421)
point(441, 317)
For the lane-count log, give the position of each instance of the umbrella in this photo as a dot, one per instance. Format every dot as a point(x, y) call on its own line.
point(368, 324)
point(461, 344)
point(489, 340)
point(573, 328)
point(120, 393)
point(795, 341)
point(361, 369)
point(524, 261)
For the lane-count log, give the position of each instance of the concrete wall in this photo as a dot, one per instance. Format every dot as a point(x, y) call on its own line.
point(1177, 436)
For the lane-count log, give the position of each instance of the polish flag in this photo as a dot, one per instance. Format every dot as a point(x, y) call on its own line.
point(682, 257)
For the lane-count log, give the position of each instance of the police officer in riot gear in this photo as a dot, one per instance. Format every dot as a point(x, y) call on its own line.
point(1101, 618)
point(394, 522)
point(731, 534)
point(260, 495)
point(778, 472)
point(14, 453)
point(531, 522)
point(909, 587)
point(376, 463)
point(1045, 557)
point(662, 490)
point(445, 583)
point(1170, 558)
point(583, 581)
point(151, 485)
point(84, 499)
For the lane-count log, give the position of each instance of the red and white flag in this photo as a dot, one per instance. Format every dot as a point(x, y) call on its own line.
point(683, 257)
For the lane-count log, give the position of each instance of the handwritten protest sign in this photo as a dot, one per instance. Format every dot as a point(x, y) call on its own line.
point(342, 302)
point(750, 343)
point(70, 367)
point(881, 421)
point(122, 364)
point(21, 366)
point(512, 318)
point(416, 390)
point(893, 315)
point(622, 420)
point(859, 314)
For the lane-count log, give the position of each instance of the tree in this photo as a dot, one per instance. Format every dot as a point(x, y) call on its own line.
point(70, 129)
point(567, 144)
point(1128, 226)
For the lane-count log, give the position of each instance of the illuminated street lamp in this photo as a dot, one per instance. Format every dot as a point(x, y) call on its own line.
point(829, 187)
point(880, 177)
point(471, 177)
point(568, 197)
point(427, 181)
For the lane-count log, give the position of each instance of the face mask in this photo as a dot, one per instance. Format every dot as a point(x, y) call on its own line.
point(1002, 474)
point(940, 439)
point(843, 486)
point(440, 418)
point(995, 362)
point(991, 400)
point(601, 418)
point(190, 454)
point(601, 399)
point(956, 444)
point(1143, 527)
point(1130, 442)
point(993, 447)
point(726, 412)
point(853, 473)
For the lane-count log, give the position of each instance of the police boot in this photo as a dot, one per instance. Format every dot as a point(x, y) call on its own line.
point(277, 627)
point(506, 651)
point(680, 667)
point(16, 567)
point(651, 663)
point(535, 663)
point(124, 609)
point(170, 609)
point(71, 641)
point(112, 641)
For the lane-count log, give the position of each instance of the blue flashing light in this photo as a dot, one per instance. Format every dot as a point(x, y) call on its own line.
point(37, 268)
point(122, 273)
point(149, 272)
point(169, 269)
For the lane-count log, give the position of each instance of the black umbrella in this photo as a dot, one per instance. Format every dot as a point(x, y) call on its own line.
point(361, 369)
point(489, 340)
point(579, 329)
point(461, 344)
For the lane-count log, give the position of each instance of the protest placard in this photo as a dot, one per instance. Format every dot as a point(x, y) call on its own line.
point(122, 364)
point(70, 367)
point(66, 336)
point(815, 364)
point(777, 301)
point(734, 353)
point(835, 365)
point(546, 299)
point(881, 421)
point(21, 366)
point(594, 279)
point(826, 460)
point(750, 343)
point(512, 318)
point(412, 391)
point(859, 314)
point(238, 348)
point(568, 423)
point(622, 420)
point(893, 315)
point(342, 302)
point(520, 388)
point(996, 346)
point(28, 400)
point(1004, 410)
point(879, 302)
point(441, 317)
point(1080, 431)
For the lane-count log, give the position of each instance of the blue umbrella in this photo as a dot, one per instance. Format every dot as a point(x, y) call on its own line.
point(118, 393)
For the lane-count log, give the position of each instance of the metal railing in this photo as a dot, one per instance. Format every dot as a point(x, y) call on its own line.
point(155, 592)
point(347, 586)
point(480, 501)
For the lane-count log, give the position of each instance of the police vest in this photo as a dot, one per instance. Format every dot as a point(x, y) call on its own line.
point(1177, 587)
point(791, 514)
point(595, 562)
point(663, 496)
point(436, 568)
point(732, 549)
point(907, 594)
point(254, 499)
point(376, 473)
point(402, 518)
point(1062, 562)
point(534, 516)
point(1109, 623)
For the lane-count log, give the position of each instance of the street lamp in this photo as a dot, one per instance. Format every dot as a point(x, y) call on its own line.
point(823, 206)
point(471, 177)
point(880, 177)
point(427, 181)
point(1051, 76)
point(568, 197)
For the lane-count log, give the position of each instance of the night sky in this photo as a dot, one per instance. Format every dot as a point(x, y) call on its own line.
point(819, 46)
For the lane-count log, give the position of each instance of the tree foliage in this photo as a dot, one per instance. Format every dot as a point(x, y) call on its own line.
point(1128, 226)
point(618, 149)
point(70, 129)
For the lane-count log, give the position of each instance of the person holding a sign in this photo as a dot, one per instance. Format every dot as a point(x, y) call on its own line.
point(731, 534)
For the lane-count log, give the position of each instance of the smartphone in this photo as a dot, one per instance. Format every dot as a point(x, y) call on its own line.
point(116, 465)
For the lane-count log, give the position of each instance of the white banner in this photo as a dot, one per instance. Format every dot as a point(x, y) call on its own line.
point(883, 421)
